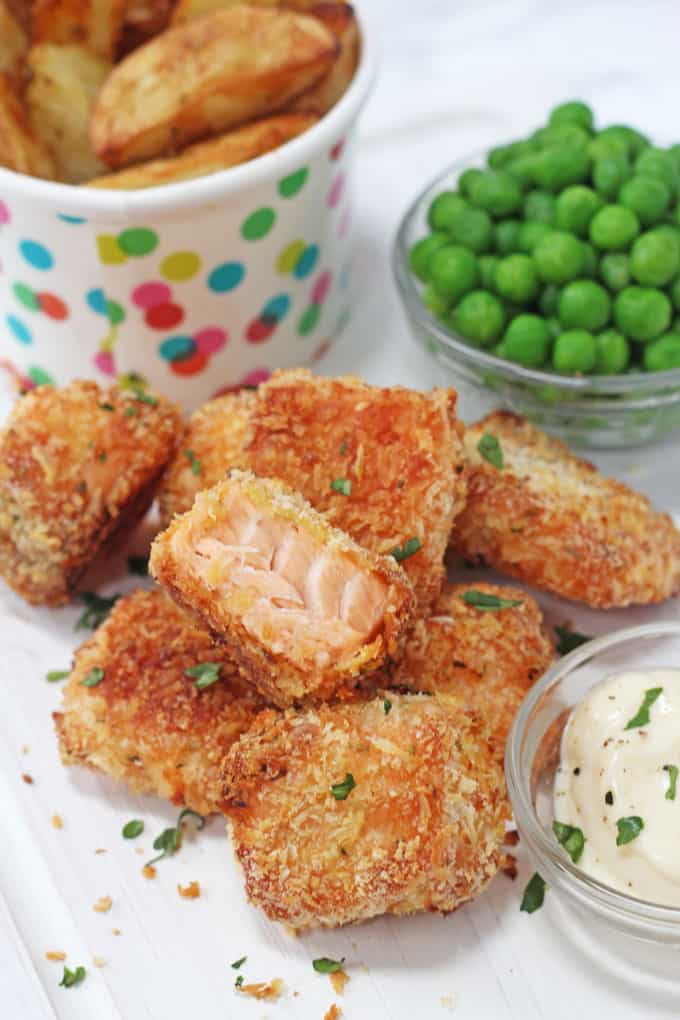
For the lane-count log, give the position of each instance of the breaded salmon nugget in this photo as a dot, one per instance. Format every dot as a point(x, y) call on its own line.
point(76, 465)
point(483, 660)
point(385, 465)
point(349, 811)
point(551, 520)
point(146, 721)
point(300, 606)
point(211, 445)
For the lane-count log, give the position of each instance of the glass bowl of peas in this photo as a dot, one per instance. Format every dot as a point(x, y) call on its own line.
point(546, 273)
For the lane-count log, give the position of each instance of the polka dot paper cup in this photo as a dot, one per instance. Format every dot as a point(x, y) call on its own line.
point(193, 288)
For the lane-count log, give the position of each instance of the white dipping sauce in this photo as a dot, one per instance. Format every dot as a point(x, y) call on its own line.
point(608, 772)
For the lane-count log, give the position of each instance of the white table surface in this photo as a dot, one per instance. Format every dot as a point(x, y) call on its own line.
point(455, 76)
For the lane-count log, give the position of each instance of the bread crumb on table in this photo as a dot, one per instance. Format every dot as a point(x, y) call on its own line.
point(25, 749)
point(339, 979)
point(57, 822)
point(103, 905)
point(101, 850)
point(27, 778)
point(55, 954)
point(333, 1013)
point(149, 871)
point(189, 892)
point(99, 961)
point(116, 931)
point(264, 990)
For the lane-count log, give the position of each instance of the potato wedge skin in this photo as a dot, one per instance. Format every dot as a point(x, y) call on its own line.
point(230, 149)
point(95, 24)
point(187, 10)
point(143, 20)
point(204, 77)
point(13, 44)
point(20, 150)
point(64, 83)
point(341, 20)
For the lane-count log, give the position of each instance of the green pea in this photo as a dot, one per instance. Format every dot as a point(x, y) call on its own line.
point(420, 254)
point(453, 272)
point(613, 228)
point(521, 169)
point(496, 192)
point(662, 354)
point(555, 326)
point(601, 147)
point(589, 260)
point(615, 270)
point(467, 178)
point(632, 141)
point(529, 234)
point(558, 167)
point(505, 236)
point(499, 157)
point(539, 205)
point(547, 302)
point(609, 173)
point(443, 208)
point(572, 112)
point(527, 340)
point(480, 317)
point(647, 196)
point(437, 306)
point(575, 208)
point(642, 313)
point(574, 352)
point(674, 151)
point(566, 135)
point(671, 232)
point(487, 270)
point(658, 163)
point(473, 229)
point(558, 257)
point(516, 278)
point(654, 259)
point(584, 304)
point(675, 294)
point(613, 353)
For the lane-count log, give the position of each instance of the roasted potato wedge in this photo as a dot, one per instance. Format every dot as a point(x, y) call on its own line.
point(13, 43)
point(64, 83)
point(20, 150)
point(143, 20)
point(204, 158)
point(340, 19)
point(95, 24)
point(21, 10)
point(204, 77)
point(187, 10)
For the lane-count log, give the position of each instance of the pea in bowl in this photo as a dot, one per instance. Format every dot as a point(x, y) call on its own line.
point(613, 409)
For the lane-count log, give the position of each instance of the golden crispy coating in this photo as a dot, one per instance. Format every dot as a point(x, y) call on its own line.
point(146, 722)
point(551, 520)
point(300, 606)
point(76, 465)
point(211, 445)
point(420, 830)
point(399, 449)
point(483, 662)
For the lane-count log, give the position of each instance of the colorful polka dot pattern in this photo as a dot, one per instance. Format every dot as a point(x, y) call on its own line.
point(99, 303)
point(135, 242)
point(309, 319)
point(262, 328)
point(189, 355)
point(298, 258)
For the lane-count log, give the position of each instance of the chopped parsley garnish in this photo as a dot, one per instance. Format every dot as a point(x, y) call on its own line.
point(672, 771)
point(102, 456)
point(569, 640)
point(324, 965)
point(409, 548)
point(342, 485)
point(93, 678)
point(170, 840)
point(491, 450)
point(194, 462)
point(239, 981)
point(133, 828)
point(387, 705)
point(205, 674)
point(239, 963)
point(72, 977)
point(146, 398)
point(571, 838)
point(534, 894)
point(641, 717)
point(97, 608)
point(628, 829)
point(106, 407)
point(341, 791)
point(343, 448)
point(488, 603)
point(57, 674)
point(131, 411)
point(138, 565)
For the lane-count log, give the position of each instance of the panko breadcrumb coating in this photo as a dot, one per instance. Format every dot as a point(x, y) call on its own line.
point(420, 829)
point(551, 520)
point(212, 444)
point(482, 661)
point(300, 606)
point(400, 451)
point(146, 722)
point(76, 466)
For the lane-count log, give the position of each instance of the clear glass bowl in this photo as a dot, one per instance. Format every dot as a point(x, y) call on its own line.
point(532, 756)
point(614, 411)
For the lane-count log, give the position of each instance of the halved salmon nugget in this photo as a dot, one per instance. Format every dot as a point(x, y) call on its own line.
point(300, 606)
point(211, 445)
point(385, 465)
point(482, 660)
point(146, 722)
point(76, 466)
point(552, 520)
point(348, 811)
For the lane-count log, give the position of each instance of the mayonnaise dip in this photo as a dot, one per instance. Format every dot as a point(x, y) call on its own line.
point(620, 762)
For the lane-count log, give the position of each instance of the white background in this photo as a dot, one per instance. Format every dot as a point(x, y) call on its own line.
point(455, 76)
